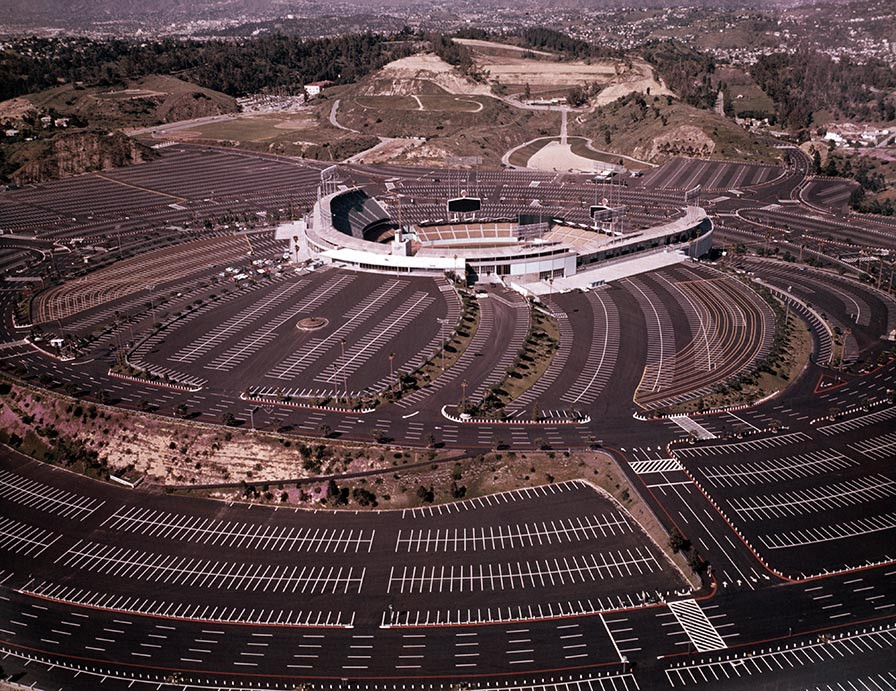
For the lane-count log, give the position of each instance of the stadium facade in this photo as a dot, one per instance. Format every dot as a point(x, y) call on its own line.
point(351, 229)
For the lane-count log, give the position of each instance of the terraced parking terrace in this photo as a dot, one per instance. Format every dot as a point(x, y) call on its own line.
point(270, 424)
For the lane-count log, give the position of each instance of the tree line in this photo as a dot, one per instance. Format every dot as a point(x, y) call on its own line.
point(805, 82)
point(688, 72)
point(233, 67)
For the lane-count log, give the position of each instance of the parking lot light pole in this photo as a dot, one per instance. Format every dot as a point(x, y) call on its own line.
point(344, 376)
point(442, 335)
point(152, 306)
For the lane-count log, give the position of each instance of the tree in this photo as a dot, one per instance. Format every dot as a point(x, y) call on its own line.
point(364, 497)
point(678, 542)
point(576, 96)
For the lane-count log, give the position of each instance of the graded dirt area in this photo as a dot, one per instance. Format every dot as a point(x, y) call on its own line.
point(15, 109)
point(559, 157)
point(640, 78)
point(425, 73)
point(654, 128)
point(448, 125)
point(492, 46)
point(544, 73)
point(250, 128)
point(125, 94)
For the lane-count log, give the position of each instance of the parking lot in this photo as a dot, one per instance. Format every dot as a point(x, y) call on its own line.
point(253, 341)
point(551, 580)
point(806, 504)
point(685, 173)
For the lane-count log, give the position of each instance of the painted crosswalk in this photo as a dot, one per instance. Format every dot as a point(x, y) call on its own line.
point(693, 427)
point(656, 465)
point(697, 626)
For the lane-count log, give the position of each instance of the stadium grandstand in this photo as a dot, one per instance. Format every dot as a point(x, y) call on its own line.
point(513, 240)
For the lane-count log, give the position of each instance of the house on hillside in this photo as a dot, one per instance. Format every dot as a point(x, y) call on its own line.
point(314, 88)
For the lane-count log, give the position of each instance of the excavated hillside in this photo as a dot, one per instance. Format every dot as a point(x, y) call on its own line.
point(654, 128)
point(416, 75)
point(73, 153)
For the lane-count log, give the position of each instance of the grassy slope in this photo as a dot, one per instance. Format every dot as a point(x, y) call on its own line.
point(155, 99)
point(746, 95)
point(633, 129)
point(448, 124)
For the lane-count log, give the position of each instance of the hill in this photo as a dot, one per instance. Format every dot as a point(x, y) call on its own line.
point(73, 153)
point(421, 74)
point(148, 101)
point(542, 74)
point(654, 128)
point(452, 114)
